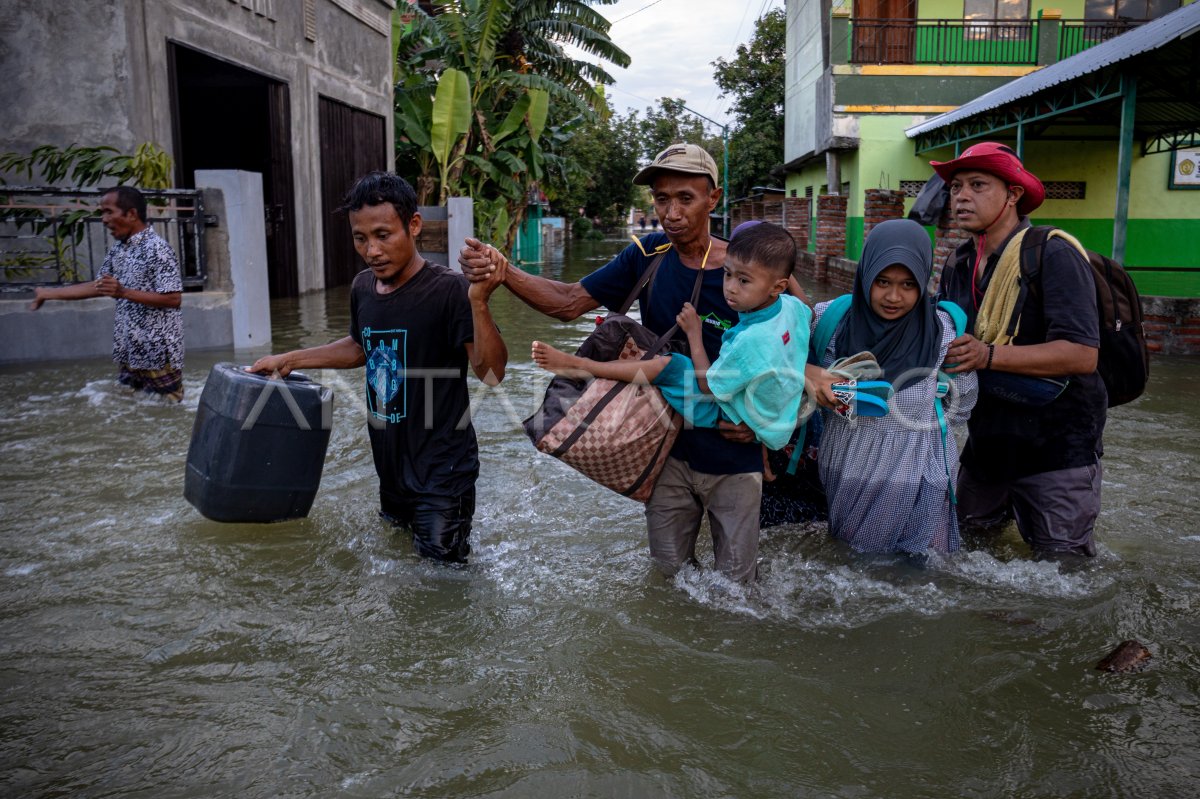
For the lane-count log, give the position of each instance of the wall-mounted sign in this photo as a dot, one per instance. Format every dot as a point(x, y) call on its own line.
point(1185, 170)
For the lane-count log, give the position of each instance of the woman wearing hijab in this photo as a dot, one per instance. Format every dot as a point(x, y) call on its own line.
point(888, 478)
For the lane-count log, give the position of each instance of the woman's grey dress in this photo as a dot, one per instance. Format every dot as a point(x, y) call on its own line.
point(888, 478)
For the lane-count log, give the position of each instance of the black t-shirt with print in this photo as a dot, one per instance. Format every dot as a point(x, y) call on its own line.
point(1008, 441)
point(418, 408)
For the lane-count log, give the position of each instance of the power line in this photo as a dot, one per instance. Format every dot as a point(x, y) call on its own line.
point(737, 41)
point(721, 108)
point(631, 13)
point(712, 98)
point(631, 94)
point(652, 103)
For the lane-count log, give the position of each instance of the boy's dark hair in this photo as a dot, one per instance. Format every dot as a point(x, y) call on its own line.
point(128, 198)
point(377, 188)
point(767, 245)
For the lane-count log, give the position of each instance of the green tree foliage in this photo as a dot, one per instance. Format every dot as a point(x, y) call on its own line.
point(671, 123)
point(148, 166)
point(473, 103)
point(755, 80)
point(602, 158)
point(668, 124)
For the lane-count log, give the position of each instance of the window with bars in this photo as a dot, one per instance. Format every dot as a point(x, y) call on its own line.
point(1065, 189)
point(995, 9)
point(911, 188)
point(310, 20)
point(1128, 9)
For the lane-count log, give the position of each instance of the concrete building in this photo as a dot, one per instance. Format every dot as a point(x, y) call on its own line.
point(298, 91)
point(878, 88)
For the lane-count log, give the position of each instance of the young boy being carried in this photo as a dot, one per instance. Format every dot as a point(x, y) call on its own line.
point(758, 378)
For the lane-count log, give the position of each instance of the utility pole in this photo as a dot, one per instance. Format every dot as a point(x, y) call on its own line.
point(725, 171)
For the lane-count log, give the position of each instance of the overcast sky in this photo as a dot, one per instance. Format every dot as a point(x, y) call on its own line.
point(672, 44)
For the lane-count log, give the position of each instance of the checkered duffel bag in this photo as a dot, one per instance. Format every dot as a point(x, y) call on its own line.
point(618, 434)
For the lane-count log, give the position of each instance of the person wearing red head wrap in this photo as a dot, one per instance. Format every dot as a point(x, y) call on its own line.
point(1037, 463)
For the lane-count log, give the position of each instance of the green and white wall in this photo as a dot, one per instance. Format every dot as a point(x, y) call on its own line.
point(875, 104)
point(1164, 224)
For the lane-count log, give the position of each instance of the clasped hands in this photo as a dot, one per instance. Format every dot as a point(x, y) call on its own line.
point(484, 266)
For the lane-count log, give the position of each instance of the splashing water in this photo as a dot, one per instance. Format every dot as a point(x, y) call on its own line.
point(148, 650)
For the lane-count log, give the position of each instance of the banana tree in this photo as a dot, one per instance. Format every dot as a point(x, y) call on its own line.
point(449, 125)
point(414, 145)
point(502, 64)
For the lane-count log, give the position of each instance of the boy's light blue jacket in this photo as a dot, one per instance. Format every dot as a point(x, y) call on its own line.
point(758, 379)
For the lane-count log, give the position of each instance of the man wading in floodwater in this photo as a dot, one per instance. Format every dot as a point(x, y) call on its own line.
point(1028, 458)
point(707, 469)
point(141, 273)
point(416, 326)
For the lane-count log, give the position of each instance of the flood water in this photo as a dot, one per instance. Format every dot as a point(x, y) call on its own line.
point(146, 651)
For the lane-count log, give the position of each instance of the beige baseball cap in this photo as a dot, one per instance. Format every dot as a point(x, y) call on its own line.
point(690, 159)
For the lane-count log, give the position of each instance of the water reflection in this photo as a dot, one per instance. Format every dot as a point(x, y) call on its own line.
point(149, 651)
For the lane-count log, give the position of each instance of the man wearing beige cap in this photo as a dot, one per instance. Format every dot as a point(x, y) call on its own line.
point(707, 468)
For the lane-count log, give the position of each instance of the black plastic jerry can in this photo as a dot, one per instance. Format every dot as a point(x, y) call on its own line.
point(258, 446)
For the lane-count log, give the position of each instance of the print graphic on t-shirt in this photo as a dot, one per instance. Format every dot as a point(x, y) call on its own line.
point(711, 318)
point(386, 356)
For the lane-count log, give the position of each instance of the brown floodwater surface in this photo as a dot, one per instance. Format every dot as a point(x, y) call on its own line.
point(148, 651)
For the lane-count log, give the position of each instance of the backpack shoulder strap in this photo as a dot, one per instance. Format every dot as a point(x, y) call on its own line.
point(697, 285)
point(1033, 245)
point(1033, 250)
point(957, 314)
point(829, 321)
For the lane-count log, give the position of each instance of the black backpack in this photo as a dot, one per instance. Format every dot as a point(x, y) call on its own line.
point(1124, 363)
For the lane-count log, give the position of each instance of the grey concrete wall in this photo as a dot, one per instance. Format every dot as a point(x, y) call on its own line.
point(460, 212)
point(459, 215)
point(806, 102)
point(83, 328)
point(216, 244)
point(96, 73)
point(67, 75)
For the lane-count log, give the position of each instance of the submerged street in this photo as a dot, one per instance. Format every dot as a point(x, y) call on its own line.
point(149, 651)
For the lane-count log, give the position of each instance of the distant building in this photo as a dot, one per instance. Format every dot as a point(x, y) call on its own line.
point(298, 90)
point(878, 88)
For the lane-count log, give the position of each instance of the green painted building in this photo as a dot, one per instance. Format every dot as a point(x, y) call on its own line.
point(869, 83)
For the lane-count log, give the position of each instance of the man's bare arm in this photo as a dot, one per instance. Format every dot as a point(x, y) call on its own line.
point(345, 353)
point(564, 301)
point(488, 353)
point(76, 291)
point(1051, 359)
point(109, 286)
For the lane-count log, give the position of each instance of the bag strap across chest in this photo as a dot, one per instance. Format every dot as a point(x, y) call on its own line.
point(643, 281)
